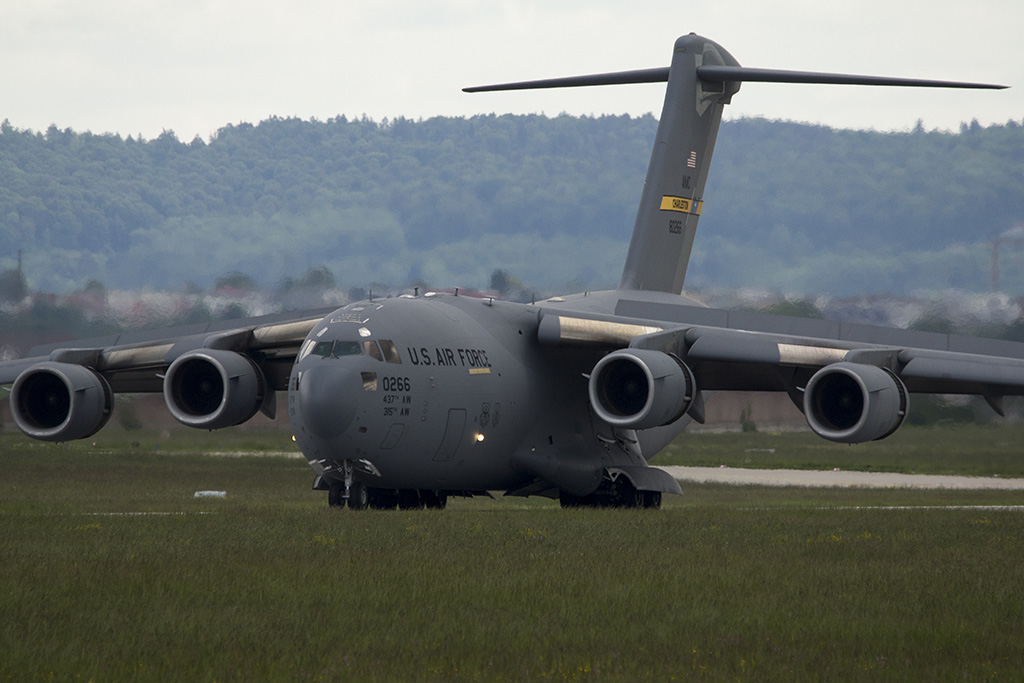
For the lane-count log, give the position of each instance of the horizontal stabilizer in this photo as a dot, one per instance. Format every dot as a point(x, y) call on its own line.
point(738, 74)
point(742, 73)
point(616, 78)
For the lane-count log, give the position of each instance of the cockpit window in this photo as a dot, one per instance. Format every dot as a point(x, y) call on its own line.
point(322, 349)
point(344, 348)
point(371, 350)
point(331, 349)
point(390, 352)
point(384, 350)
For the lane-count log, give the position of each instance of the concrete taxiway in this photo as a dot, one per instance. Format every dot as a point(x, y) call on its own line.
point(734, 475)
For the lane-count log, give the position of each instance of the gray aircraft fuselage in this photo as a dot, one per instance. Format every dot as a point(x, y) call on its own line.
point(448, 392)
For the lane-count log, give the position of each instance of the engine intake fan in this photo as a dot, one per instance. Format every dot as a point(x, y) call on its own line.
point(213, 388)
point(641, 388)
point(60, 401)
point(854, 403)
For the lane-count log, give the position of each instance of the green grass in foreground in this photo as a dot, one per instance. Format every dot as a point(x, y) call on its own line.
point(726, 583)
point(969, 449)
point(175, 439)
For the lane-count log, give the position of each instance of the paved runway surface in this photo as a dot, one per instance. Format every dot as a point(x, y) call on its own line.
point(733, 475)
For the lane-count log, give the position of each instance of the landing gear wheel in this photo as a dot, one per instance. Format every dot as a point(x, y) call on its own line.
point(409, 499)
point(383, 499)
point(434, 500)
point(628, 496)
point(335, 494)
point(358, 496)
point(652, 500)
point(569, 501)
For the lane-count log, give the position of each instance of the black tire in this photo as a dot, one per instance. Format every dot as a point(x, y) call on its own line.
point(358, 496)
point(652, 500)
point(628, 496)
point(335, 494)
point(409, 499)
point(383, 499)
point(434, 500)
point(569, 501)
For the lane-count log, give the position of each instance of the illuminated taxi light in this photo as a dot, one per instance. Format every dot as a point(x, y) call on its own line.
point(479, 438)
point(293, 438)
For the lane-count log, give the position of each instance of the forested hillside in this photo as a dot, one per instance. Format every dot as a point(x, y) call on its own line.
point(448, 201)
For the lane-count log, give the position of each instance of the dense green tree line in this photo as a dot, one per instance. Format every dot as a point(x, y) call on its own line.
point(875, 211)
point(548, 200)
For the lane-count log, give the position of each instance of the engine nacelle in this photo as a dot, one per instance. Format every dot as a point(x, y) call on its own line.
point(60, 401)
point(641, 388)
point(853, 403)
point(213, 388)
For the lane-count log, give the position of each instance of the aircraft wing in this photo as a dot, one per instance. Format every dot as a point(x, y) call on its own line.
point(212, 375)
point(136, 361)
point(742, 351)
point(923, 370)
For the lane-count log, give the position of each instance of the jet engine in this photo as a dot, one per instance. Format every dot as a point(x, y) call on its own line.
point(60, 401)
point(641, 388)
point(853, 403)
point(213, 388)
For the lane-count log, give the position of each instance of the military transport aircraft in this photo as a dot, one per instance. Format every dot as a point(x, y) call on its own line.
point(406, 401)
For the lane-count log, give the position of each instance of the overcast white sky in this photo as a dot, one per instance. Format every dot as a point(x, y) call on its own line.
point(192, 66)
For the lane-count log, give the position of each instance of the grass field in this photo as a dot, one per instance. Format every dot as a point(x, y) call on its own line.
point(967, 449)
point(725, 583)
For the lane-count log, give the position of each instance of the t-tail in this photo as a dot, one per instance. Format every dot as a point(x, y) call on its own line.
point(702, 79)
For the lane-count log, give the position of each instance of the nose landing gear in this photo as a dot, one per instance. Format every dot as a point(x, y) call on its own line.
point(358, 496)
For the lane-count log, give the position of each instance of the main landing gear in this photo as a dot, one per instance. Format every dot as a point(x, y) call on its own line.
point(620, 493)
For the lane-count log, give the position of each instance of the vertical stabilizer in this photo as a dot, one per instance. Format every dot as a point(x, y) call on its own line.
point(670, 206)
point(701, 81)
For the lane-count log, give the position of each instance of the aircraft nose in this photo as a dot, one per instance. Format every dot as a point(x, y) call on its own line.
point(328, 399)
